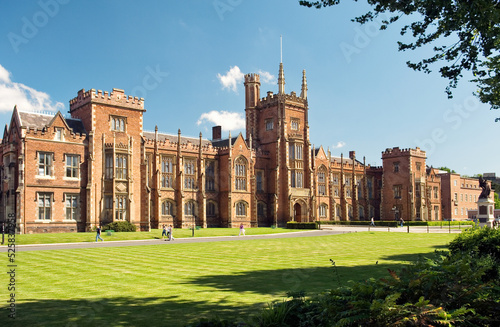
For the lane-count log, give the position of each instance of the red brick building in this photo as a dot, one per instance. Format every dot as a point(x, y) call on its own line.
point(98, 165)
point(459, 195)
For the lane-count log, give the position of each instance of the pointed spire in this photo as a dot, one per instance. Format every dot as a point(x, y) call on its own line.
point(281, 80)
point(303, 94)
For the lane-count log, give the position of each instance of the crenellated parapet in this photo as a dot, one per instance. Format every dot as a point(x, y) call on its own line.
point(291, 99)
point(252, 78)
point(397, 152)
point(345, 163)
point(116, 98)
point(169, 142)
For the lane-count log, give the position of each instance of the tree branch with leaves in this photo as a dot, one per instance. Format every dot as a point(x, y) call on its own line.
point(465, 35)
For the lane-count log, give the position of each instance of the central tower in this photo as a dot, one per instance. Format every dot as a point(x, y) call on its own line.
point(278, 127)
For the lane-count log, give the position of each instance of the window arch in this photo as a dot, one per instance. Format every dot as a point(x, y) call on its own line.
point(190, 174)
point(167, 208)
point(241, 208)
point(261, 209)
point(323, 209)
point(190, 208)
point(211, 209)
point(322, 173)
point(240, 170)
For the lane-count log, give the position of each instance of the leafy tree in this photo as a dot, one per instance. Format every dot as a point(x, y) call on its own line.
point(464, 35)
point(497, 201)
point(447, 169)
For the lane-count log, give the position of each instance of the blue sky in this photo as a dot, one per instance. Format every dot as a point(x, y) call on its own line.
point(187, 59)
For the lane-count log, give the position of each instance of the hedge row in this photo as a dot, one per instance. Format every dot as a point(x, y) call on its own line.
point(297, 225)
point(396, 223)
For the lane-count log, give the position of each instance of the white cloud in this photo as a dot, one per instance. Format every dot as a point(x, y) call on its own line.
point(340, 144)
point(232, 78)
point(267, 77)
point(25, 97)
point(230, 121)
point(4, 75)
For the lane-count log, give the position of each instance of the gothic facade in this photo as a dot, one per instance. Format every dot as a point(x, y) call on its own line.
point(98, 166)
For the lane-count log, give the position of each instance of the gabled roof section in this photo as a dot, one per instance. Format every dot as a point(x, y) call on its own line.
point(58, 118)
point(239, 139)
point(39, 121)
point(5, 132)
point(319, 153)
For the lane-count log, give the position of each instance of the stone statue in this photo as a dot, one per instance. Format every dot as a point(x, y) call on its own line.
point(485, 193)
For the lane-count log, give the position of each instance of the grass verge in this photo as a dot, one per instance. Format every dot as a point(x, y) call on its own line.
point(49, 238)
point(158, 285)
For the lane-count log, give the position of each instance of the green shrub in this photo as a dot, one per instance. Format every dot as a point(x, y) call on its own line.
point(297, 225)
point(120, 226)
point(479, 242)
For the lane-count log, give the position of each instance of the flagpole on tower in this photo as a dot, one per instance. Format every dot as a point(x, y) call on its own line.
point(281, 48)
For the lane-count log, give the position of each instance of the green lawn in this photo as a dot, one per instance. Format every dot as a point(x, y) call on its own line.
point(154, 234)
point(171, 284)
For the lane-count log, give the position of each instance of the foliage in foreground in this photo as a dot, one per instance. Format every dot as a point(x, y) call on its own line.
point(456, 288)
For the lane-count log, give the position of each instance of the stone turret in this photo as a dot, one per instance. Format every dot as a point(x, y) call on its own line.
point(281, 80)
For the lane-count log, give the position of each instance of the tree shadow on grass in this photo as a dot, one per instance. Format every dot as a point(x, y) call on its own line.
point(123, 311)
point(411, 257)
point(279, 283)
point(312, 280)
point(173, 311)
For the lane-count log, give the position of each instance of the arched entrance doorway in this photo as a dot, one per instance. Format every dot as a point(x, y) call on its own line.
point(297, 212)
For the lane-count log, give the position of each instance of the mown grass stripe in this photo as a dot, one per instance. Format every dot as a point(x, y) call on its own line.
point(151, 284)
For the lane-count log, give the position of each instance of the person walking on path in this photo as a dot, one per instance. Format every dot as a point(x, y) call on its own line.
point(242, 230)
point(98, 235)
point(164, 232)
point(401, 221)
point(170, 231)
point(372, 222)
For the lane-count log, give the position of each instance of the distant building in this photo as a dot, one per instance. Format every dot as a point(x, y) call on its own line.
point(459, 195)
point(410, 189)
point(98, 166)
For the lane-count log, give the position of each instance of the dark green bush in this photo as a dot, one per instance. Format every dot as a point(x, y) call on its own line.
point(297, 225)
point(120, 226)
point(479, 242)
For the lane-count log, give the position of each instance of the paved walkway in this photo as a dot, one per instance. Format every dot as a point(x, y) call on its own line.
point(325, 230)
point(84, 245)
